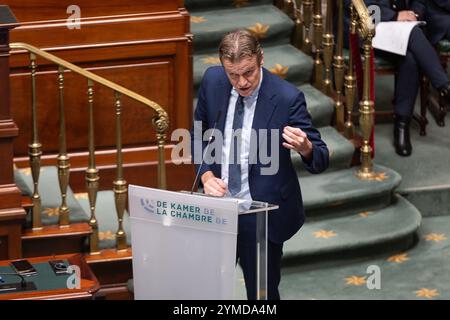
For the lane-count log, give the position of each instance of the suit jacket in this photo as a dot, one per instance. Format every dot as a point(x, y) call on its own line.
point(279, 104)
point(438, 20)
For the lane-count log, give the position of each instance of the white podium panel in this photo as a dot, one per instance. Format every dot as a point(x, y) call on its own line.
point(184, 246)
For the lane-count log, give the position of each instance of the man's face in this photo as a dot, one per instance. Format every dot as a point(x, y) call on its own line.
point(244, 75)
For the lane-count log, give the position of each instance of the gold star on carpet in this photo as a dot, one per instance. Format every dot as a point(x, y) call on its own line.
point(398, 258)
point(435, 237)
point(365, 214)
point(240, 3)
point(26, 171)
point(426, 293)
point(51, 212)
point(355, 280)
point(211, 60)
point(195, 19)
point(326, 234)
point(279, 70)
point(259, 30)
point(81, 195)
point(381, 176)
point(107, 235)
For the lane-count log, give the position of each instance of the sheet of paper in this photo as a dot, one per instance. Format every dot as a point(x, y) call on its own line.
point(393, 36)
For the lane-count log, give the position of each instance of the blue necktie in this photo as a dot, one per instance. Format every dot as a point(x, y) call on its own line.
point(234, 168)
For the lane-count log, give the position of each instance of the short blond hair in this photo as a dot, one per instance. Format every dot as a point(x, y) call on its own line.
point(238, 45)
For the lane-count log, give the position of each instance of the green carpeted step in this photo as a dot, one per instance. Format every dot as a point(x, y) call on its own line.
point(339, 237)
point(50, 196)
point(319, 106)
point(338, 193)
point(107, 219)
point(284, 60)
point(202, 4)
point(270, 24)
point(341, 152)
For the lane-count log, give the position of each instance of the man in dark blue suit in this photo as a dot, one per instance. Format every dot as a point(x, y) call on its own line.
point(438, 20)
point(250, 97)
point(420, 57)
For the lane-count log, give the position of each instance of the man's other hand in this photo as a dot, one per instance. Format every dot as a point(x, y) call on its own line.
point(407, 15)
point(213, 186)
point(297, 140)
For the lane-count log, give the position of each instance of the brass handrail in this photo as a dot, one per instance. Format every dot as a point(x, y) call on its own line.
point(159, 121)
point(366, 27)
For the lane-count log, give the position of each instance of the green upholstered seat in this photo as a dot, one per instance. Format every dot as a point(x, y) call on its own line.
point(50, 195)
point(380, 62)
point(444, 46)
point(107, 219)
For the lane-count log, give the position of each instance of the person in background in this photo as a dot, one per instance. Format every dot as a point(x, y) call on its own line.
point(420, 57)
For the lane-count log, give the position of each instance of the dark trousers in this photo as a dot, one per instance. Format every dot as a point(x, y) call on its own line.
point(246, 254)
point(420, 57)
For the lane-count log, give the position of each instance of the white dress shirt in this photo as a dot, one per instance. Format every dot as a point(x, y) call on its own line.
point(249, 111)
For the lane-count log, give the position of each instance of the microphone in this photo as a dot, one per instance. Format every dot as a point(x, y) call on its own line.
point(194, 185)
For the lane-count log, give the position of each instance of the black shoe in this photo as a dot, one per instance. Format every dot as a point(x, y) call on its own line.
point(402, 141)
point(445, 94)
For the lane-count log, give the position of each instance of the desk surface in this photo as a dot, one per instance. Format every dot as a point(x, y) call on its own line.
point(48, 284)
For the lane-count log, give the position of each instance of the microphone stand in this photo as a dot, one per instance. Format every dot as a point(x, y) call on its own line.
point(196, 180)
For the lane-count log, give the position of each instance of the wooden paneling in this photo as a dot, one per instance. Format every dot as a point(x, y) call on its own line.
point(145, 46)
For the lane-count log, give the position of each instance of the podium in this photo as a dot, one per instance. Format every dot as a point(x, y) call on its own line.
point(184, 244)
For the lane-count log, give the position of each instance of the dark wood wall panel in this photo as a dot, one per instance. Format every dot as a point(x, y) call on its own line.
point(42, 10)
point(143, 45)
point(137, 128)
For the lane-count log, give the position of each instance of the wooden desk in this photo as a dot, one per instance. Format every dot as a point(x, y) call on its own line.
point(89, 284)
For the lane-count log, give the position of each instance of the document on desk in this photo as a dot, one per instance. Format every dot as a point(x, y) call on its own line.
point(393, 36)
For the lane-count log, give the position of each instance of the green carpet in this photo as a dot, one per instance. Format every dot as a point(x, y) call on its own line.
point(284, 60)
point(420, 273)
point(425, 174)
point(209, 26)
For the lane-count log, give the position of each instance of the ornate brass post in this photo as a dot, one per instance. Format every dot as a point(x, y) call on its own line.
point(307, 20)
point(298, 31)
point(318, 30)
point(120, 185)
point(339, 68)
point(350, 83)
point(328, 44)
point(161, 123)
point(35, 150)
point(288, 7)
point(92, 177)
point(366, 110)
point(63, 158)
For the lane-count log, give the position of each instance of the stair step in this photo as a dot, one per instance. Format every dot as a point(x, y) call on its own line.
point(295, 66)
point(341, 152)
point(107, 255)
point(340, 237)
point(202, 4)
point(50, 195)
point(338, 193)
point(320, 106)
point(272, 25)
point(106, 215)
point(54, 239)
point(55, 231)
